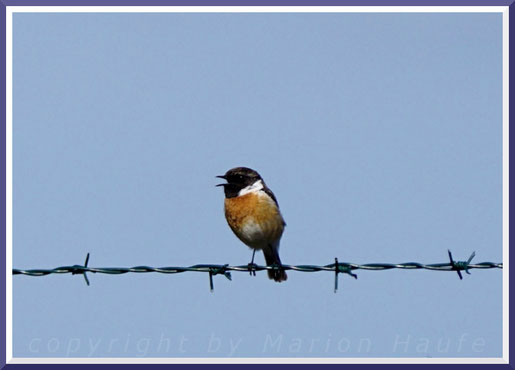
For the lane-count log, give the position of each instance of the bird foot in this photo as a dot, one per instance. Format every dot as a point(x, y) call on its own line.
point(252, 268)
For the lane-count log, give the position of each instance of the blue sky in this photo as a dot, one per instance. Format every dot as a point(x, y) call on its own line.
point(380, 135)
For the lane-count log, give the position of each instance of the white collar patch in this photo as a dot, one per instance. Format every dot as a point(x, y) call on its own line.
point(254, 188)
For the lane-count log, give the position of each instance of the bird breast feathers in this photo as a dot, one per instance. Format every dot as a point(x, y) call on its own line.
point(254, 217)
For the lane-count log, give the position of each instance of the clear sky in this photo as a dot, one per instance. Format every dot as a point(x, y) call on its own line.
point(380, 135)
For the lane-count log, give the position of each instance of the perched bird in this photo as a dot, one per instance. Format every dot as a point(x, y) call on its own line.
point(252, 212)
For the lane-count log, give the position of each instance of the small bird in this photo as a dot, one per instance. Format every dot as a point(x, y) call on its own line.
point(252, 212)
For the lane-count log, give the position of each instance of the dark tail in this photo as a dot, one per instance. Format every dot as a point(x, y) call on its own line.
point(272, 258)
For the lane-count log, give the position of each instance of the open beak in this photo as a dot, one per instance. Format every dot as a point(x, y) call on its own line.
point(221, 177)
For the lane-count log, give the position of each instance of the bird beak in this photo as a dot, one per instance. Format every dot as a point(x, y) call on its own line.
point(222, 177)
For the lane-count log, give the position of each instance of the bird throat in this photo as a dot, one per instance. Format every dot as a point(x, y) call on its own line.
point(235, 190)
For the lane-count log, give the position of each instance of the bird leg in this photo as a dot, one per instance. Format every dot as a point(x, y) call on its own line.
point(252, 265)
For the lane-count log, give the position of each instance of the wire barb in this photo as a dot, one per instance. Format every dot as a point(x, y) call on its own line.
point(341, 267)
point(215, 270)
point(78, 269)
point(458, 266)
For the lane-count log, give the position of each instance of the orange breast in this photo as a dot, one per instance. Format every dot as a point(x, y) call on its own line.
point(255, 219)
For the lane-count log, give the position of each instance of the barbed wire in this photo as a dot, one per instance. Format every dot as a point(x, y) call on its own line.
point(213, 269)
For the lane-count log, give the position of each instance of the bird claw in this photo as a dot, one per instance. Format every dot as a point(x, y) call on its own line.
point(252, 268)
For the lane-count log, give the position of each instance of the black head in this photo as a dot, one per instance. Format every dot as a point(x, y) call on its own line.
point(237, 179)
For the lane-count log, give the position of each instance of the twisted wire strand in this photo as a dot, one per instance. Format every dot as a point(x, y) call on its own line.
point(212, 269)
point(77, 269)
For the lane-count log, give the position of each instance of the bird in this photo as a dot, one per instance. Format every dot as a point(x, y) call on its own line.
point(252, 212)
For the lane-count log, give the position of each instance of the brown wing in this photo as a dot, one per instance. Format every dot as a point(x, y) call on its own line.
point(269, 192)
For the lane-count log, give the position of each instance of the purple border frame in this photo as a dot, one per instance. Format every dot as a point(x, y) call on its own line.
point(258, 2)
point(4, 3)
